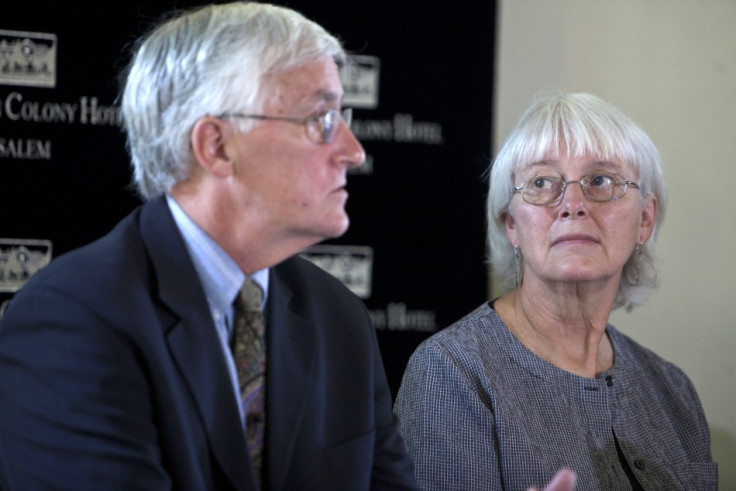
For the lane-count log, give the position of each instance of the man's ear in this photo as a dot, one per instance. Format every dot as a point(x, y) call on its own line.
point(208, 139)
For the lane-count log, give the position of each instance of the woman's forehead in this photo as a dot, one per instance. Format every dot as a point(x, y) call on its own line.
point(583, 163)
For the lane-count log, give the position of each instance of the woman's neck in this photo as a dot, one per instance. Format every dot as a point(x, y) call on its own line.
point(564, 326)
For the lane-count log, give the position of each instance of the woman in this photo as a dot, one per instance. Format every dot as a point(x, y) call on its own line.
point(537, 380)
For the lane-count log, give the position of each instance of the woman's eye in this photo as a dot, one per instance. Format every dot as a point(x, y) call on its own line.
point(602, 180)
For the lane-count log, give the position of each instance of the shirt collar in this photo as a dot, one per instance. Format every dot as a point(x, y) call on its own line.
point(221, 278)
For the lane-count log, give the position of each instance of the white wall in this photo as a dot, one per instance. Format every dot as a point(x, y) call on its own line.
point(671, 66)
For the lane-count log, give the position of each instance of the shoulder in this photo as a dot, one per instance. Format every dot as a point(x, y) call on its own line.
point(627, 346)
point(313, 294)
point(453, 372)
point(304, 279)
point(80, 295)
point(112, 270)
point(474, 346)
point(657, 370)
point(474, 333)
point(81, 268)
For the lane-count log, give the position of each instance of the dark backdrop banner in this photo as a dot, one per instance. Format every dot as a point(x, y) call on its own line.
point(421, 88)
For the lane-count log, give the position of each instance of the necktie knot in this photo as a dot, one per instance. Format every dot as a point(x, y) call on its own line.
point(251, 296)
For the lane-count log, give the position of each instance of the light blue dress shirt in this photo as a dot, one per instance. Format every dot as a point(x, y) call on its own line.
point(221, 279)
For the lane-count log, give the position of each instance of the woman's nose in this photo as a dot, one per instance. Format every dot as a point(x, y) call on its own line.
point(573, 204)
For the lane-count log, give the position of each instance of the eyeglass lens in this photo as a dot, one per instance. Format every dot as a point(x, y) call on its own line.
point(330, 122)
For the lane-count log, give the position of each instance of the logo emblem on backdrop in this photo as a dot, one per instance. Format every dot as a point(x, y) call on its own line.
point(27, 58)
point(20, 259)
point(360, 79)
point(352, 265)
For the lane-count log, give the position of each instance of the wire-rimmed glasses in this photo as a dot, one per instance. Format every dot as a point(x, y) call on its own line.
point(321, 128)
point(599, 187)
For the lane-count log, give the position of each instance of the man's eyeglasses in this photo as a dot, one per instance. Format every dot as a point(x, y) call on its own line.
point(601, 187)
point(321, 128)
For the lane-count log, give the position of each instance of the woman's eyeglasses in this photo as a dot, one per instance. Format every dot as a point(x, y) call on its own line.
point(600, 187)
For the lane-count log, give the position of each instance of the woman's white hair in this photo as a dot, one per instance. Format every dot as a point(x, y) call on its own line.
point(575, 125)
point(208, 60)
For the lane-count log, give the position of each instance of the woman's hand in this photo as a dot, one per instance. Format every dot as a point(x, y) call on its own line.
point(564, 480)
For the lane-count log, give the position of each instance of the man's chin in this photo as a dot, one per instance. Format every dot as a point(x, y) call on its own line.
point(337, 226)
point(333, 230)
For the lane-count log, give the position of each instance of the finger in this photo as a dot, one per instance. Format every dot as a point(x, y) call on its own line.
point(564, 480)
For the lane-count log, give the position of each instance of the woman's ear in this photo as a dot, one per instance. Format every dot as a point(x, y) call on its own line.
point(208, 139)
point(648, 218)
point(510, 223)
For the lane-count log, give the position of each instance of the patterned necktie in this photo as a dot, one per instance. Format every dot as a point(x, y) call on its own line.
point(249, 352)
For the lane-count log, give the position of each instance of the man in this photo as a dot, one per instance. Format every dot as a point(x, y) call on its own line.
point(116, 369)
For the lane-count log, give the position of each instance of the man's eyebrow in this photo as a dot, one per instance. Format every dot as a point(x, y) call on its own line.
point(319, 98)
point(325, 95)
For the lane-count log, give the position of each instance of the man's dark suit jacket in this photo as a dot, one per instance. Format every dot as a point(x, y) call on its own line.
point(112, 377)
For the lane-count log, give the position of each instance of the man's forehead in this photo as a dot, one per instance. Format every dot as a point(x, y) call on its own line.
point(308, 84)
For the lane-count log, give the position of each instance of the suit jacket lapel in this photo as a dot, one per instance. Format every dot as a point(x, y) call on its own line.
point(291, 363)
point(193, 342)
